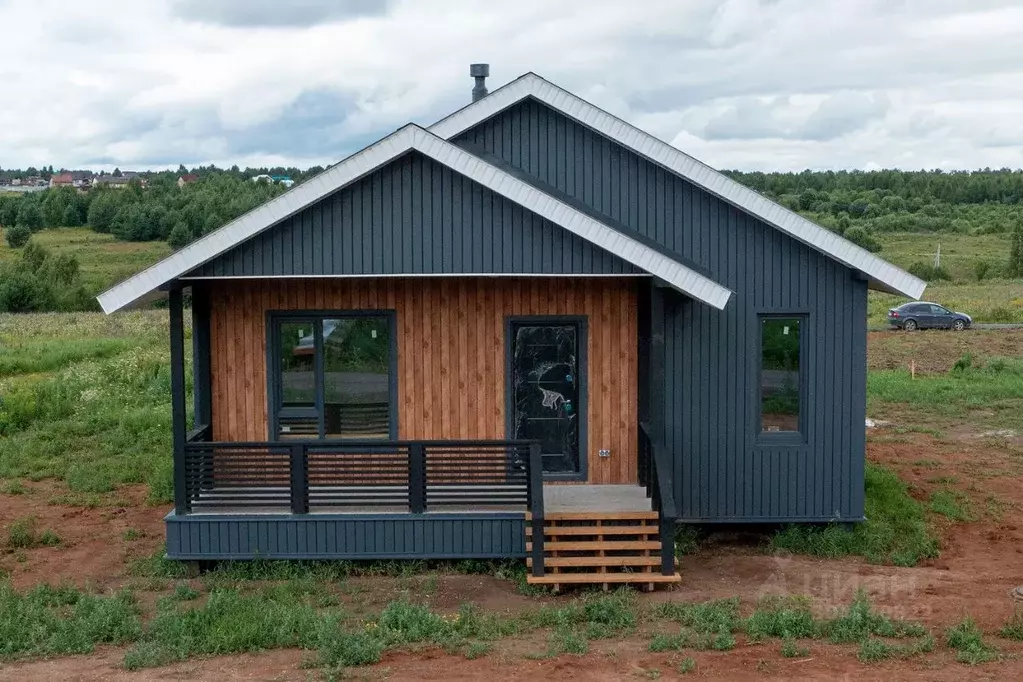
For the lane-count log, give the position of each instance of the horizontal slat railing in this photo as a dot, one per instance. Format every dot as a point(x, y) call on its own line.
point(324, 475)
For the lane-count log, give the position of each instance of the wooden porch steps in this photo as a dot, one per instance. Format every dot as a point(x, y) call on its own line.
point(599, 548)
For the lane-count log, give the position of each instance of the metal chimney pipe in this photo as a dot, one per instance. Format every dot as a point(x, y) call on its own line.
point(480, 73)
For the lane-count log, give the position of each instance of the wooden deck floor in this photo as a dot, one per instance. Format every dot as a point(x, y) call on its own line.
point(557, 499)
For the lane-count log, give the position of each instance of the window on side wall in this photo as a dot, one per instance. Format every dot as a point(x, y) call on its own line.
point(781, 394)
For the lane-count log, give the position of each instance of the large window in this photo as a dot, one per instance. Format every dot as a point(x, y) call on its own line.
point(780, 385)
point(332, 375)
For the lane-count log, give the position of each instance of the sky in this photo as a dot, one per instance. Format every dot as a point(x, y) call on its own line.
point(740, 84)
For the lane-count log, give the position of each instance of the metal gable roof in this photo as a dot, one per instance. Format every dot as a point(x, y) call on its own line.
point(149, 282)
point(881, 274)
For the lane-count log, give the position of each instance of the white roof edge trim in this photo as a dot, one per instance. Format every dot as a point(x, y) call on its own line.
point(880, 273)
point(141, 286)
point(678, 275)
point(137, 287)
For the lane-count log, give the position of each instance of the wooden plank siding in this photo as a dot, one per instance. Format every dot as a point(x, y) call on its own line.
point(451, 353)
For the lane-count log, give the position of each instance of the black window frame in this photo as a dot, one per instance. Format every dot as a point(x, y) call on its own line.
point(317, 316)
point(800, 436)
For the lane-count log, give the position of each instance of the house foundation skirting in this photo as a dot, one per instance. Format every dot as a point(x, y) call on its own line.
point(204, 537)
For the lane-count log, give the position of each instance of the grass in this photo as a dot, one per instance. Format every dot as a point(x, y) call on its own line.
point(860, 621)
point(49, 621)
point(874, 650)
point(895, 531)
point(95, 386)
point(102, 259)
point(952, 504)
point(787, 618)
point(959, 252)
point(686, 665)
point(791, 649)
point(1013, 629)
point(228, 622)
point(22, 534)
point(968, 641)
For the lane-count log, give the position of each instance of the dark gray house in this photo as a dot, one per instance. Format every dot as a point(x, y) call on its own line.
point(529, 330)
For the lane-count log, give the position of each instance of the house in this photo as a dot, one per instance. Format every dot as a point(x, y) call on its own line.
point(61, 180)
point(187, 179)
point(529, 330)
point(282, 180)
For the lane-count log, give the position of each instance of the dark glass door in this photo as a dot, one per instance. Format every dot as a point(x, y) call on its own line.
point(546, 395)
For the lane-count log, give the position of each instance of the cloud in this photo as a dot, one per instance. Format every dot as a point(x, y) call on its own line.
point(757, 84)
point(288, 13)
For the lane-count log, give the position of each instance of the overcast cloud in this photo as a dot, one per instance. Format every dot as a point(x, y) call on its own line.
point(749, 84)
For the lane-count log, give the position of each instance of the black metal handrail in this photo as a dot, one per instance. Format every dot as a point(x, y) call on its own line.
point(414, 474)
point(655, 475)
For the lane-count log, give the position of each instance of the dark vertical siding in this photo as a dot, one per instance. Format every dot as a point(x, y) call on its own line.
point(346, 536)
point(723, 470)
point(414, 216)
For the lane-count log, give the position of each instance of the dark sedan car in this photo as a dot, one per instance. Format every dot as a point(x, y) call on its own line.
point(923, 315)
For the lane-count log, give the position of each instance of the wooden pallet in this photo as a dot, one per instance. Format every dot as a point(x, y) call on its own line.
point(599, 548)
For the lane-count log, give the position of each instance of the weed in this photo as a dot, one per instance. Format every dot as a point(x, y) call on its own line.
point(21, 534)
point(952, 504)
point(859, 621)
point(14, 488)
point(790, 649)
point(968, 640)
point(686, 665)
point(228, 622)
point(156, 565)
point(49, 538)
point(133, 534)
point(566, 642)
point(664, 642)
point(1013, 629)
point(184, 592)
point(784, 617)
point(60, 621)
point(707, 617)
point(687, 540)
point(338, 648)
point(873, 650)
point(476, 650)
point(895, 530)
point(609, 614)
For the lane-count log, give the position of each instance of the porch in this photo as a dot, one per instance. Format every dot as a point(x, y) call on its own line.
point(336, 482)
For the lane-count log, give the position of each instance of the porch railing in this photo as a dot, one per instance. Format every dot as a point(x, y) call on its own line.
point(320, 475)
point(655, 474)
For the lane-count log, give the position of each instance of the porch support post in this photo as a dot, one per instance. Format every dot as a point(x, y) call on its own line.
point(177, 381)
point(417, 478)
point(299, 479)
point(536, 508)
point(655, 385)
point(201, 385)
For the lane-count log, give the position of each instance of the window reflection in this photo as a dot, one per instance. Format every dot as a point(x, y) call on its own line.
point(779, 374)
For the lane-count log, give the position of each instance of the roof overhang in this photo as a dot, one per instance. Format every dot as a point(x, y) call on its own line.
point(881, 274)
point(151, 282)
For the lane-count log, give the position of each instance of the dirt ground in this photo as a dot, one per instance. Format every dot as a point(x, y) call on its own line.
point(981, 562)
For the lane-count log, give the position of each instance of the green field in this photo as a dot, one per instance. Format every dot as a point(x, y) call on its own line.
point(103, 260)
point(959, 252)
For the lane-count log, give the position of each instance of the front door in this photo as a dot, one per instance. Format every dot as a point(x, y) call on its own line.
point(546, 374)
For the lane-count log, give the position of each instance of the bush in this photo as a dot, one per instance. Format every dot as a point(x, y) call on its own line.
point(24, 292)
point(928, 272)
point(981, 269)
point(18, 236)
point(859, 236)
point(179, 236)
